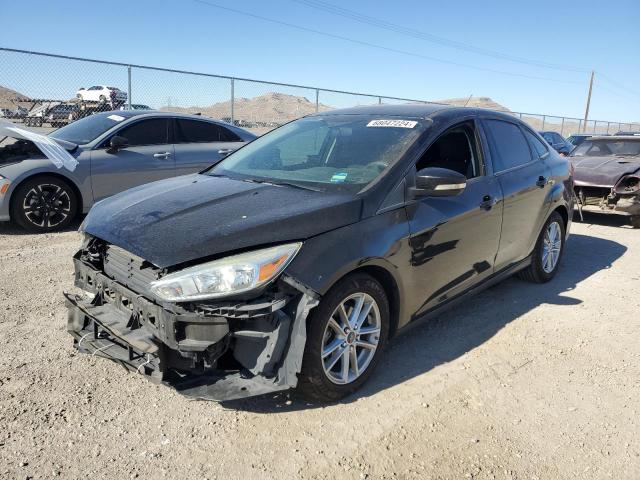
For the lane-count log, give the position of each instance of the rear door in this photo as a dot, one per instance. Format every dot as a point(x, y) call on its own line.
point(148, 157)
point(199, 144)
point(523, 178)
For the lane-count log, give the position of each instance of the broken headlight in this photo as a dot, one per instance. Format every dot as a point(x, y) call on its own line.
point(226, 276)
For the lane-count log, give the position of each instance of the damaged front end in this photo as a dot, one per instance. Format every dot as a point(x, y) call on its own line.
point(213, 349)
point(622, 198)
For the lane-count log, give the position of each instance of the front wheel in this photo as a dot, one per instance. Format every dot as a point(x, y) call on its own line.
point(44, 204)
point(347, 333)
point(548, 251)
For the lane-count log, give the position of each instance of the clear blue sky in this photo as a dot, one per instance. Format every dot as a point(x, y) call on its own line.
point(190, 35)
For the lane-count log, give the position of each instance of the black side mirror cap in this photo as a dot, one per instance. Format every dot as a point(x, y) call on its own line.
point(117, 143)
point(438, 182)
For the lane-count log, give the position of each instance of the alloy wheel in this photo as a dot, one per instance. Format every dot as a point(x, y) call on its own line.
point(551, 246)
point(47, 205)
point(351, 338)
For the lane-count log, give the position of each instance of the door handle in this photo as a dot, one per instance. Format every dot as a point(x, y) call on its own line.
point(542, 181)
point(487, 202)
point(162, 155)
point(225, 151)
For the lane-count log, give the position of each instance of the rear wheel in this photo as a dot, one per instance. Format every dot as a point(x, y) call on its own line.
point(44, 204)
point(347, 333)
point(547, 252)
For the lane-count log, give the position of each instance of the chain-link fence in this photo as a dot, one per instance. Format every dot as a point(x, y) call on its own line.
point(51, 90)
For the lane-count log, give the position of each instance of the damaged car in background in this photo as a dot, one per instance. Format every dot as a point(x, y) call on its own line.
point(292, 262)
point(98, 156)
point(607, 176)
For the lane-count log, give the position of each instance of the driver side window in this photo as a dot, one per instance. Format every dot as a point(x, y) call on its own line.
point(456, 149)
point(154, 131)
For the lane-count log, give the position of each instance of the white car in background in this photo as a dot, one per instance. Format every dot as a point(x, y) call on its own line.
point(102, 94)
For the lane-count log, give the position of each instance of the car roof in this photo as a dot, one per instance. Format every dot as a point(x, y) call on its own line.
point(157, 113)
point(633, 138)
point(416, 110)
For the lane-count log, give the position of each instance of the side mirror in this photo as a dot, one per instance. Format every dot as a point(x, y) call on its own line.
point(118, 143)
point(438, 182)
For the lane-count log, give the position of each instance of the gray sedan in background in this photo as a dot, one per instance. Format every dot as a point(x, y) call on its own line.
point(115, 151)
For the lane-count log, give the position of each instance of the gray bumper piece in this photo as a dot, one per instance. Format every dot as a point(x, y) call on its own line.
point(101, 331)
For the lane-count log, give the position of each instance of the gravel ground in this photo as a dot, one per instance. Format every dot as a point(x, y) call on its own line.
point(524, 381)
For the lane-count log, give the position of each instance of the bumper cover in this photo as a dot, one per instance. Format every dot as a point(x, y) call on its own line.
point(267, 339)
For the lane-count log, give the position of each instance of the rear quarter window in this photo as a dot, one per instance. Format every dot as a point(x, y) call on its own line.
point(536, 144)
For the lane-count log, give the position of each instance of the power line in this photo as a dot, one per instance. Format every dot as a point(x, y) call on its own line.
point(619, 85)
point(394, 27)
point(380, 47)
point(617, 92)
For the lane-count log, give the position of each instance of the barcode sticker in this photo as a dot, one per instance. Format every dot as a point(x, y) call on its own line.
point(392, 123)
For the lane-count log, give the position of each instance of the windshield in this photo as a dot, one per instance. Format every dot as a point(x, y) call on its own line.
point(333, 152)
point(607, 148)
point(87, 129)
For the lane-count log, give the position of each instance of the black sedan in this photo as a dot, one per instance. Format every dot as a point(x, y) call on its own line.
point(295, 260)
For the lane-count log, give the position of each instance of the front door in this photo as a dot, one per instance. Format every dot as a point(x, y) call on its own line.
point(454, 240)
point(148, 157)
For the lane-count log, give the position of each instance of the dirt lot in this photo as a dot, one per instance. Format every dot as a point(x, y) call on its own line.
point(525, 381)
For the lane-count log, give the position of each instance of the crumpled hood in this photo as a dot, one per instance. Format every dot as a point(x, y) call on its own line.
point(602, 171)
point(195, 216)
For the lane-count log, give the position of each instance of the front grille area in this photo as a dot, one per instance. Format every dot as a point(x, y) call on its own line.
point(129, 270)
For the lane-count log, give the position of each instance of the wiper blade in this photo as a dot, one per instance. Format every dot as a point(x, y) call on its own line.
point(280, 183)
point(295, 185)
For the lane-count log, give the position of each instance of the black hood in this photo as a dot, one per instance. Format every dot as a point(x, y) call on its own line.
point(196, 216)
point(602, 171)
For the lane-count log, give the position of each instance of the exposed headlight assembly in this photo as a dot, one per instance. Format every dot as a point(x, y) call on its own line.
point(226, 276)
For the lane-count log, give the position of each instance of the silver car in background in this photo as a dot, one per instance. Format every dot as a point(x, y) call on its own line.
point(115, 151)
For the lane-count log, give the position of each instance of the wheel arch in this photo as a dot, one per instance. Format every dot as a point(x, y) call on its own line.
point(564, 213)
point(67, 180)
point(390, 286)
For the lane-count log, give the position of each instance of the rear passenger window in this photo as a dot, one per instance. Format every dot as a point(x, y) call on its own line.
point(509, 147)
point(193, 131)
point(154, 131)
point(536, 144)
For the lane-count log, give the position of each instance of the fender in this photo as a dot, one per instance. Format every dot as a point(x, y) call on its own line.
point(17, 174)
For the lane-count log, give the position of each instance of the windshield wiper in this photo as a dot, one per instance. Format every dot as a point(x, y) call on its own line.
point(295, 185)
point(281, 183)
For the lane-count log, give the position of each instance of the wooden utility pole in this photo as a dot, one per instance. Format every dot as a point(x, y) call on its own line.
point(586, 112)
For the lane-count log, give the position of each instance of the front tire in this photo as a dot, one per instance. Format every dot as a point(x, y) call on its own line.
point(548, 251)
point(44, 204)
point(347, 334)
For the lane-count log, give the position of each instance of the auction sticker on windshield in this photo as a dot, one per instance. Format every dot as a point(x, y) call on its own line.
point(392, 123)
point(115, 118)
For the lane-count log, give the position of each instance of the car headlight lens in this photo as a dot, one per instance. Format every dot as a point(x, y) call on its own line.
point(85, 238)
point(226, 276)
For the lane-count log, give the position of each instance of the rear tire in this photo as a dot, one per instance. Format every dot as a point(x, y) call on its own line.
point(335, 329)
point(548, 251)
point(44, 204)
